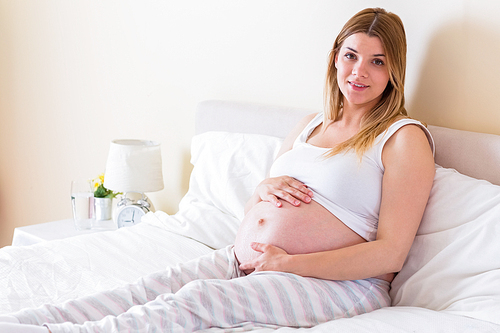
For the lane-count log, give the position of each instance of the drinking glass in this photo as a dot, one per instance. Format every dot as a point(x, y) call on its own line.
point(82, 200)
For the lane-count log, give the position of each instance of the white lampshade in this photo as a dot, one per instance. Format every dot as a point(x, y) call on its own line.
point(134, 166)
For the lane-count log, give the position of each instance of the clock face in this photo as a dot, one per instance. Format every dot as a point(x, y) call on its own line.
point(129, 216)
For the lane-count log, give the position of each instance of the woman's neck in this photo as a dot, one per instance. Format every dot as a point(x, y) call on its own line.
point(351, 118)
point(352, 114)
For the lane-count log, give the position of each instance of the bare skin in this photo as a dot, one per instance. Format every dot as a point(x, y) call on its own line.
point(305, 228)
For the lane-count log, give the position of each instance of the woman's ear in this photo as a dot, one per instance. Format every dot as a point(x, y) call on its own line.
point(335, 59)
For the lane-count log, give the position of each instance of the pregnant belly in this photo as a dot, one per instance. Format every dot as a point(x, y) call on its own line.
point(303, 229)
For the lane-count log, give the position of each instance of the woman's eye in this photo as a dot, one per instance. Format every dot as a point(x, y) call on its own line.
point(378, 62)
point(350, 56)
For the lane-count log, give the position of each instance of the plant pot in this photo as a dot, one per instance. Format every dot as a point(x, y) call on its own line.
point(103, 209)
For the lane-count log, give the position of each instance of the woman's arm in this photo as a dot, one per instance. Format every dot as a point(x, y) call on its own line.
point(285, 188)
point(407, 182)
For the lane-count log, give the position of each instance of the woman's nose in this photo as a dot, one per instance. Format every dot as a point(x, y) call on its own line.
point(360, 69)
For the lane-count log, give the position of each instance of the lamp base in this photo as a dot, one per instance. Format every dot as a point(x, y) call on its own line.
point(136, 198)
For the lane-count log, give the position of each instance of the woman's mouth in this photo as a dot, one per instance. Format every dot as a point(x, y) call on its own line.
point(357, 86)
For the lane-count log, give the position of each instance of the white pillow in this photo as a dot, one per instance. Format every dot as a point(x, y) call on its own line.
point(227, 168)
point(454, 263)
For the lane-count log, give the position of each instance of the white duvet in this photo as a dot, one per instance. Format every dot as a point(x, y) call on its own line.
point(450, 283)
point(59, 270)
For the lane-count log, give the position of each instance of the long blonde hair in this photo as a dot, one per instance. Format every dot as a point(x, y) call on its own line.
point(388, 27)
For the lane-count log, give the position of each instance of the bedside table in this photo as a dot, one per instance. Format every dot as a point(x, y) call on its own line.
point(42, 232)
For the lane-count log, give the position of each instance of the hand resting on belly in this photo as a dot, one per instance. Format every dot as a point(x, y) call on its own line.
point(299, 229)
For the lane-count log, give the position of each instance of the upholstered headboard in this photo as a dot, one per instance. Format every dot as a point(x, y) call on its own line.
point(474, 154)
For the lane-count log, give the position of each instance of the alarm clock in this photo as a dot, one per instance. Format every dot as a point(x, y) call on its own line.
point(129, 212)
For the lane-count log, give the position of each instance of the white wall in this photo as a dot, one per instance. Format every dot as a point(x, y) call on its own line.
point(76, 74)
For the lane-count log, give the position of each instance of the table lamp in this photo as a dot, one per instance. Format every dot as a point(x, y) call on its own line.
point(133, 166)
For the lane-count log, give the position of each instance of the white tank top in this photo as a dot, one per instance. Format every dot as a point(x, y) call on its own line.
point(351, 190)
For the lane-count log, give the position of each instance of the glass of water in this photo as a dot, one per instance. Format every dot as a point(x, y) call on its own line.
point(82, 200)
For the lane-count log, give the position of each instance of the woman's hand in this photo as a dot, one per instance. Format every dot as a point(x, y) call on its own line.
point(280, 188)
point(272, 259)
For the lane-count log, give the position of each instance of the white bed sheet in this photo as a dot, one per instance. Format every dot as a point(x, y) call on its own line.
point(55, 271)
point(405, 320)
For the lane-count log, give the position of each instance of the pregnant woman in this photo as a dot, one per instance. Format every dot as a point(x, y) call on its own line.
point(322, 237)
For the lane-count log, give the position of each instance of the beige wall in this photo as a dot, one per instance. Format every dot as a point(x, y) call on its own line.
point(76, 74)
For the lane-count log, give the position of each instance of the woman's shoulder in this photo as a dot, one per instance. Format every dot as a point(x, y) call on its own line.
point(400, 121)
point(302, 125)
point(409, 149)
point(295, 132)
point(307, 119)
point(405, 132)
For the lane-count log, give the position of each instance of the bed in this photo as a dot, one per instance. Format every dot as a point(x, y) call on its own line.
point(449, 283)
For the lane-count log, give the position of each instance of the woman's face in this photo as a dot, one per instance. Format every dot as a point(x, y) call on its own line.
point(362, 72)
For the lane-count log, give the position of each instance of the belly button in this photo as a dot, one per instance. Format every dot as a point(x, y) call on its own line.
point(260, 221)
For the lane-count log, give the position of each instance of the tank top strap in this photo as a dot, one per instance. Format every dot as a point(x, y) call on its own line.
point(306, 132)
point(400, 123)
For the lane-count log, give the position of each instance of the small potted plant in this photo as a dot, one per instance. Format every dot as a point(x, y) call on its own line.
point(103, 198)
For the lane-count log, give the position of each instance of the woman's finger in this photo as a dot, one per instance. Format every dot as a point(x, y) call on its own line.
point(284, 188)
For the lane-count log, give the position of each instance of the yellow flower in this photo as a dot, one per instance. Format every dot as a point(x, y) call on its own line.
point(100, 191)
point(98, 181)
